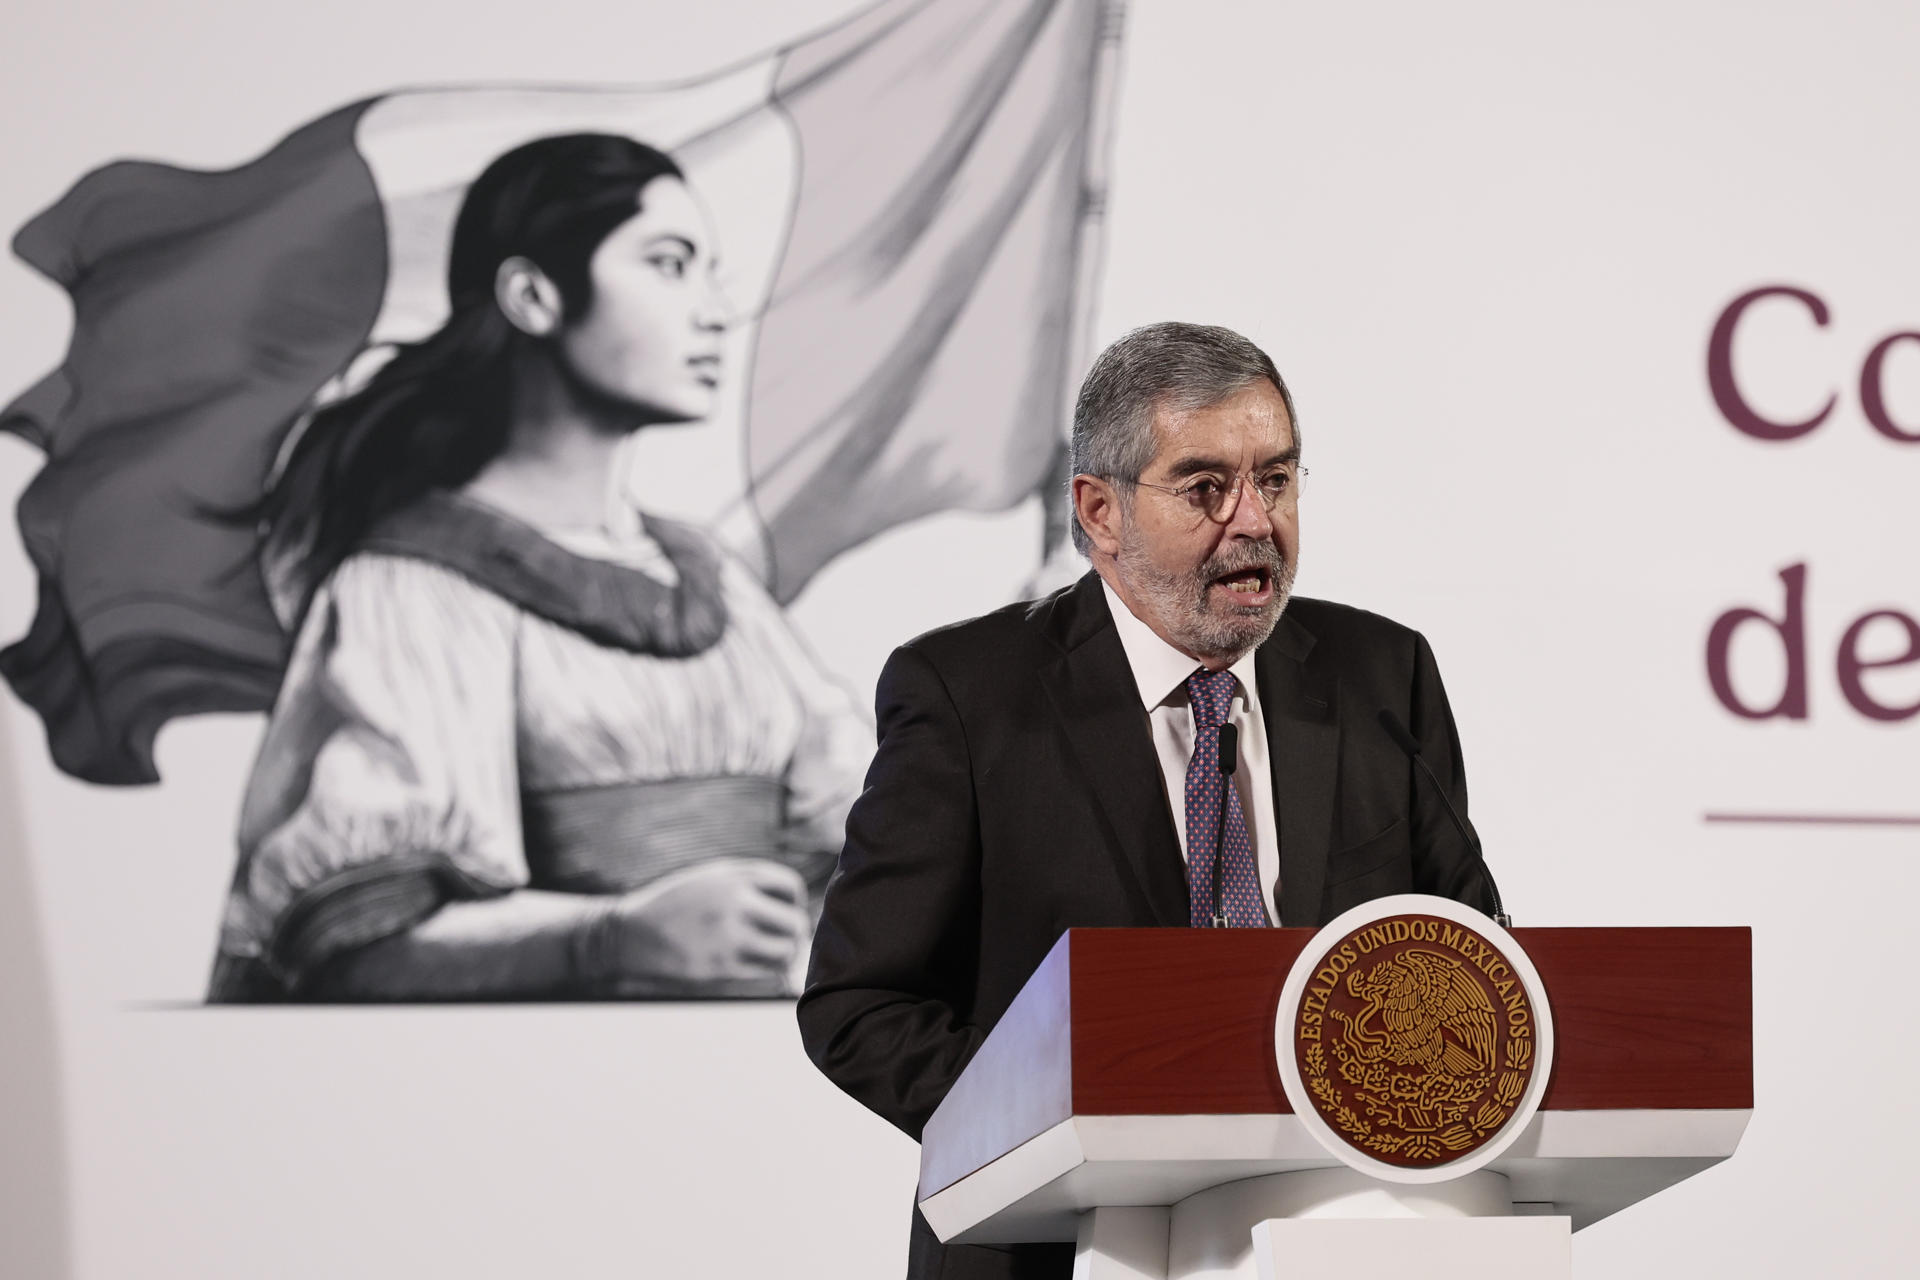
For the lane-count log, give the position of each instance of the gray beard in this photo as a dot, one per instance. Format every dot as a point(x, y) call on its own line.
point(1183, 602)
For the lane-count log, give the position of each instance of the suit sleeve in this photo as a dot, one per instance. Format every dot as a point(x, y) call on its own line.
point(1444, 864)
point(885, 1013)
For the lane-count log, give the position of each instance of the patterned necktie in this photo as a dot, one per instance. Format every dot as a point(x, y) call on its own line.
point(1241, 902)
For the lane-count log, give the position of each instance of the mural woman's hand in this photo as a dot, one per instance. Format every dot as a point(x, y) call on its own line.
point(729, 927)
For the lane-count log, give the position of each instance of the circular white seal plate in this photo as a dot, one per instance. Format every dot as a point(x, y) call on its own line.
point(1313, 959)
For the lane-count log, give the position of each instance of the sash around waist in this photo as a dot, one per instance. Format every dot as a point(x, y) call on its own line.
point(614, 838)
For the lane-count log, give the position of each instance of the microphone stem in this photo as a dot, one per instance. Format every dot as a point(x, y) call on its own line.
point(1226, 758)
point(1219, 842)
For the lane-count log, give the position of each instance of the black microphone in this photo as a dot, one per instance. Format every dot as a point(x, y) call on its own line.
point(1411, 745)
point(1229, 761)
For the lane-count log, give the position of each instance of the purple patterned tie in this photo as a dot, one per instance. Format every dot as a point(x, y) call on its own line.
point(1241, 902)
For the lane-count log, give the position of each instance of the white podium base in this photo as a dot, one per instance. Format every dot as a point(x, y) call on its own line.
point(1327, 1221)
point(1122, 1244)
point(1394, 1248)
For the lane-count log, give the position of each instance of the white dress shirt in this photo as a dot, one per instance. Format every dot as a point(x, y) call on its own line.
point(1161, 672)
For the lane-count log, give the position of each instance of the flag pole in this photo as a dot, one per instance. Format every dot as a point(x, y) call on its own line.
point(1059, 562)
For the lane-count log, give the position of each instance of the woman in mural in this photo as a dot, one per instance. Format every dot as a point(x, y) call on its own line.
point(532, 743)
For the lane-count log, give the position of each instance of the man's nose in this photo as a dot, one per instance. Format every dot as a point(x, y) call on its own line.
point(1249, 518)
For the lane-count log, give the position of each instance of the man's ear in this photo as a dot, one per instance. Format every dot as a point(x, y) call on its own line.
point(1096, 503)
point(528, 297)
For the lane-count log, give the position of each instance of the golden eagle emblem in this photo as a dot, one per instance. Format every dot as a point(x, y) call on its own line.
point(1414, 1039)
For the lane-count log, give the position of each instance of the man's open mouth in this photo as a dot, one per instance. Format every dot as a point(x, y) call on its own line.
point(1251, 586)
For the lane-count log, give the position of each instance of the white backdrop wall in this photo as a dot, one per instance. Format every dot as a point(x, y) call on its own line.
point(1487, 244)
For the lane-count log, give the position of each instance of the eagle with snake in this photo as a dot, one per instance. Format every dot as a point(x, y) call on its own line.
point(1421, 1009)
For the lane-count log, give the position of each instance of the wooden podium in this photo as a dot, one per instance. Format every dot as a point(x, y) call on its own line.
point(1130, 1100)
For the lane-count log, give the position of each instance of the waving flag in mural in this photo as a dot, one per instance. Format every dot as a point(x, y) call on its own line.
point(907, 204)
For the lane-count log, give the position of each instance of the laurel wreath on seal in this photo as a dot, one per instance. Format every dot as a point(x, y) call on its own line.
point(1493, 1113)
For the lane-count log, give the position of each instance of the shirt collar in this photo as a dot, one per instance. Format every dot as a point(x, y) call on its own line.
point(1160, 670)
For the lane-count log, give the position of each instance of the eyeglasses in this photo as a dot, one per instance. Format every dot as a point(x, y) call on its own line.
point(1209, 496)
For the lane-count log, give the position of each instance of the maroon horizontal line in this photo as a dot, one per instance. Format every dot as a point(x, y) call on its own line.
point(1819, 819)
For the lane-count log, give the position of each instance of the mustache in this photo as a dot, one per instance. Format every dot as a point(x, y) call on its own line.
point(1251, 555)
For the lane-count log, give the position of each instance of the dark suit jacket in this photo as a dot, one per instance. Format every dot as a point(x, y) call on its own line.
point(1016, 794)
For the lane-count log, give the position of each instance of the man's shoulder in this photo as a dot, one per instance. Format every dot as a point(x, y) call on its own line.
point(1322, 631)
point(1330, 620)
point(990, 661)
point(1039, 629)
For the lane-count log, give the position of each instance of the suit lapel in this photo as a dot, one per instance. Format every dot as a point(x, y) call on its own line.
point(1303, 750)
point(1093, 690)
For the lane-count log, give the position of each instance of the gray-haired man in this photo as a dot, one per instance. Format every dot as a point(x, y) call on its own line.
point(1056, 763)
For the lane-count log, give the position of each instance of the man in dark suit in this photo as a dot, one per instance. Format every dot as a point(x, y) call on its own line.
point(1044, 767)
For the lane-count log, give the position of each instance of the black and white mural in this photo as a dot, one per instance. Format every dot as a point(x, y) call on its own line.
point(480, 437)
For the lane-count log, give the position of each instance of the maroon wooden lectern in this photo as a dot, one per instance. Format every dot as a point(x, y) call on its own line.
point(1137, 1068)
